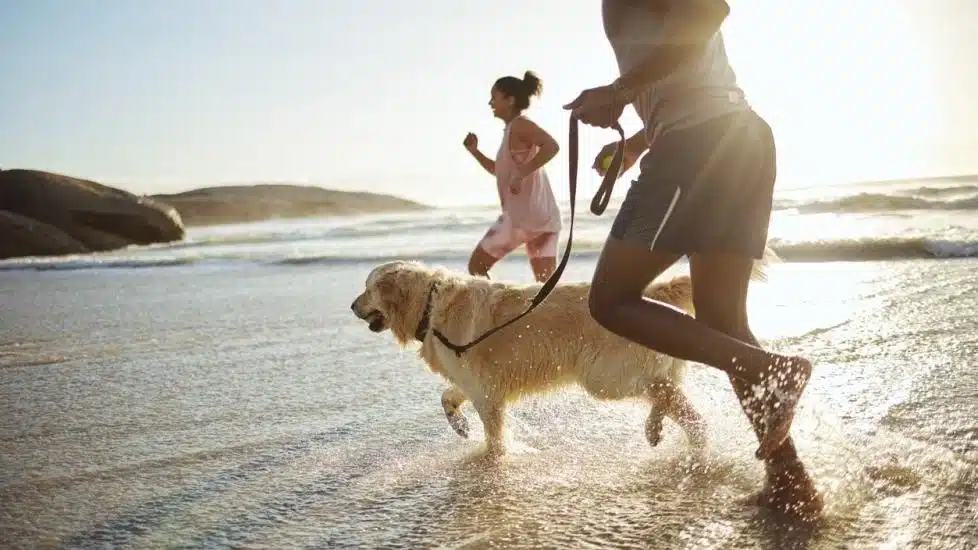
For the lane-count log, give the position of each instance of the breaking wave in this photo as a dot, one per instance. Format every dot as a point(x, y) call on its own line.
point(855, 250)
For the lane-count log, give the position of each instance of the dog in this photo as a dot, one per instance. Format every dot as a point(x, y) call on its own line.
point(556, 345)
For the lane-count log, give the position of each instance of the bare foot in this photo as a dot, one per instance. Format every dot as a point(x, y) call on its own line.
point(792, 494)
point(786, 384)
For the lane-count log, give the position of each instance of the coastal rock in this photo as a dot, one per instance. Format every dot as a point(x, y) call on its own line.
point(47, 214)
point(23, 236)
point(251, 203)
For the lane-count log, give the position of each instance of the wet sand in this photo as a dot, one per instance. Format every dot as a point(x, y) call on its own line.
point(211, 406)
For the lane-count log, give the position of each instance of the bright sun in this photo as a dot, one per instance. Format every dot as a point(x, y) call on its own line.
point(846, 85)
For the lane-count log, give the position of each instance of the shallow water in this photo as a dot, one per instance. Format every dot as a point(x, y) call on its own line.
point(219, 406)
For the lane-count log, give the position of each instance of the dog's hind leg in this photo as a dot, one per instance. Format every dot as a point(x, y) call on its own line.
point(451, 402)
point(669, 400)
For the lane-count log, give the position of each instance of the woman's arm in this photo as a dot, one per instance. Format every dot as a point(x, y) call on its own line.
point(486, 162)
point(637, 144)
point(471, 143)
point(527, 131)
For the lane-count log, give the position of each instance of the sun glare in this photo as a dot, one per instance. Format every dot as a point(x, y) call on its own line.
point(779, 311)
point(846, 86)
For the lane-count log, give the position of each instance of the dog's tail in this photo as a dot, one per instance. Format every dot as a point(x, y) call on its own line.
point(759, 270)
point(677, 291)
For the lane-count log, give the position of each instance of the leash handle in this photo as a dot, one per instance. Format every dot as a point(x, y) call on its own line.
point(603, 196)
point(598, 205)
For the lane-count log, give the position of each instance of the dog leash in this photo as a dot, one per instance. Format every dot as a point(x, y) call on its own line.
point(598, 205)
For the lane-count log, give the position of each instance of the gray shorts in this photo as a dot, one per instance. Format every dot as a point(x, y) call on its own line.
point(705, 188)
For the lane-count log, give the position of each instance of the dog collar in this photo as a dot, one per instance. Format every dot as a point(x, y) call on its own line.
point(425, 323)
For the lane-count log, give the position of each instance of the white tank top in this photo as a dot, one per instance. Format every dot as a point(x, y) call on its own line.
point(534, 209)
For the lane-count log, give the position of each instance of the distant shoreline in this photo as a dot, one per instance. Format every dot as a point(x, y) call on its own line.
point(260, 202)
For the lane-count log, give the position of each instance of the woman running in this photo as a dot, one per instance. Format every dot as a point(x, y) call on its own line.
point(530, 214)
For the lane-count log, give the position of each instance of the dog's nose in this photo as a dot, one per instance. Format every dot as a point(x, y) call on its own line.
point(353, 306)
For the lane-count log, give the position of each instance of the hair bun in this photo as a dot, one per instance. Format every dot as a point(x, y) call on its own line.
point(534, 87)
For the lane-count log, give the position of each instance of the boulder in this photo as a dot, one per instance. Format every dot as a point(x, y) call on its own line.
point(48, 214)
point(23, 236)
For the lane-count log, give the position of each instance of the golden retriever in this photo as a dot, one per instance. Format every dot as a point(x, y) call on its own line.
point(556, 345)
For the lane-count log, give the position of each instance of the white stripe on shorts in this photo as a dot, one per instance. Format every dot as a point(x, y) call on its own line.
point(665, 217)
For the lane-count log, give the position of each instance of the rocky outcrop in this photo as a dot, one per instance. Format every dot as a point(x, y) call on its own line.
point(251, 203)
point(44, 214)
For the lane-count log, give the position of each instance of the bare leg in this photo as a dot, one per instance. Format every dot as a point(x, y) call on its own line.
point(668, 400)
point(542, 250)
point(616, 302)
point(481, 262)
point(720, 286)
point(451, 401)
point(543, 268)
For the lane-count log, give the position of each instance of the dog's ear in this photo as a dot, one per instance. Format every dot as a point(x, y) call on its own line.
point(401, 292)
point(397, 290)
point(388, 288)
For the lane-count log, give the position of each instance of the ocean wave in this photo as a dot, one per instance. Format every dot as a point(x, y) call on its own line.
point(954, 191)
point(854, 250)
point(447, 235)
point(58, 263)
point(876, 202)
point(438, 222)
point(476, 219)
point(841, 250)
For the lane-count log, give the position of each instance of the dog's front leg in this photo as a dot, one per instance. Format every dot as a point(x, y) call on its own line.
point(492, 415)
point(668, 400)
point(451, 402)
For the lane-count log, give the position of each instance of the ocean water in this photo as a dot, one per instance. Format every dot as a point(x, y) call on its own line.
point(910, 220)
point(219, 393)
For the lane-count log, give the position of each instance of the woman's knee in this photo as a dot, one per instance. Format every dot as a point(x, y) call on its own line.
point(479, 263)
point(475, 268)
point(623, 272)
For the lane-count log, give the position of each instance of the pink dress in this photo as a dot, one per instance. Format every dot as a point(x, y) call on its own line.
point(529, 217)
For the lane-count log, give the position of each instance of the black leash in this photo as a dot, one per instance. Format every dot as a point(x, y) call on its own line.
point(598, 205)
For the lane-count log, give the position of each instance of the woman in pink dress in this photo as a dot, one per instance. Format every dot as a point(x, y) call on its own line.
point(530, 214)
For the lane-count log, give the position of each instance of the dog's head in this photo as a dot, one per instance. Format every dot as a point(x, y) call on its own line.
point(394, 298)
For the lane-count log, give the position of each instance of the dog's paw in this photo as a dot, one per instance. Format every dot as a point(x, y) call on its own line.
point(653, 428)
point(458, 422)
point(698, 440)
point(494, 450)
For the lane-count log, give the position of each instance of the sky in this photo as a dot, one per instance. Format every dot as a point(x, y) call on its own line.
point(376, 95)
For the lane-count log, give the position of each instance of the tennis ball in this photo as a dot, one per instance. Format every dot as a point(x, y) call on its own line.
point(606, 162)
